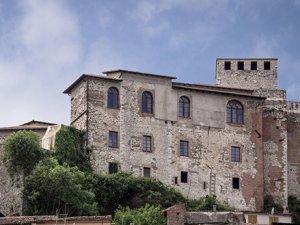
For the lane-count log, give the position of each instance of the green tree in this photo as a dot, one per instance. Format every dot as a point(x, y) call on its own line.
point(69, 148)
point(51, 186)
point(148, 215)
point(22, 150)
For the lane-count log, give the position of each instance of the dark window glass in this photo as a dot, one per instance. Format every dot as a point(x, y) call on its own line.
point(175, 180)
point(240, 65)
point(113, 168)
point(235, 154)
point(204, 185)
point(235, 112)
point(184, 148)
point(227, 65)
point(147, 172)
point(184, 107)
point(253, 65)
point(147, 102)
point(236, 183)
point(113, 98)
point(147, 143)
point(113, 139)
point(184, 177)
point(267, 65)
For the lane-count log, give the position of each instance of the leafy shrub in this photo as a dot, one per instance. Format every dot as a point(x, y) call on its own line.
point(269, 204)
point(69, 148)
point(125, 190)
point(294, 207)
point(22, 150)
point(148, 215)
point(206, 203)
point(51, 186)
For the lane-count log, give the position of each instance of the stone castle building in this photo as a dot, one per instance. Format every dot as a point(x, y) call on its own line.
point(237, 140)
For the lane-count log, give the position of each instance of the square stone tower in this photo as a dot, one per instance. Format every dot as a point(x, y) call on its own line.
point(247, 73)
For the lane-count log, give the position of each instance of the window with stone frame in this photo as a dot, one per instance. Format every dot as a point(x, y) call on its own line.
point(235, 154)
point(113, 139)
point(184, 177)
point(184, 107)
point(147, 102)
point(147, 145)
point(235, 112)
point(236, 183)
point(113, 98)
point(184, 148)
point(112, 168)
point(147, 172)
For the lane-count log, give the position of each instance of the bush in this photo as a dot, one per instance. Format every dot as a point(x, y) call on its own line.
point(206, 204)
point(51, 186)
point(269, 204)
point(69, 148)
point(294, 207)
point(148, 215)
point(22, 150)
point(125, 190)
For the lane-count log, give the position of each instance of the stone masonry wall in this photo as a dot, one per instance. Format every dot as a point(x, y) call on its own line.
point(209, 147)
point(247, 78)
point(275, 151)
point(293, 124)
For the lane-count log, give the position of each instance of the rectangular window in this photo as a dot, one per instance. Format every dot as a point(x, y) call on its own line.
point(240, 65)
point(113, 139)
point(184, 148)
point(204, 185)
point(175, 180)
point(147, 172)
point(146, 143)
point(227, 65)
point(253, 65)
point(235, 154)
point(267, 65)
point(112, 168)
point(184, 177)
point(236, 183)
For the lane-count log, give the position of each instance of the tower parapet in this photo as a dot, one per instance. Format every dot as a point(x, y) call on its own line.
point(247, 73)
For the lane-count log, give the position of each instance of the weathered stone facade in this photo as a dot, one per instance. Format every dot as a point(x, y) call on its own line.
point(11, 185)
point(266, 138)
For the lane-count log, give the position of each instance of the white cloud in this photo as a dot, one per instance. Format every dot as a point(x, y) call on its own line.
point(40, 51)
point(48, 29)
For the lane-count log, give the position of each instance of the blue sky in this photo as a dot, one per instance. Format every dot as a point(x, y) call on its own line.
point(46, 44)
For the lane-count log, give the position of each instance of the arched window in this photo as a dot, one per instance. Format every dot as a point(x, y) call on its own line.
point(184, 107)
point(113, 98)
point(147, 102)
point(235, 112)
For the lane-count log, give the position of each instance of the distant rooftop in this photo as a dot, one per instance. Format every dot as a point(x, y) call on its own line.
point(31, 125)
